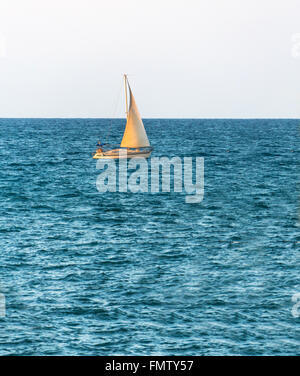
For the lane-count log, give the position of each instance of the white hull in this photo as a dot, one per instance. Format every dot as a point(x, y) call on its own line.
point(119, 154)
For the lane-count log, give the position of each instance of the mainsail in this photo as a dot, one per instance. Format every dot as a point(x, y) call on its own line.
point(134, 135)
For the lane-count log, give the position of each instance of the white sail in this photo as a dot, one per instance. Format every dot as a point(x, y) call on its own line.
point(134, 135)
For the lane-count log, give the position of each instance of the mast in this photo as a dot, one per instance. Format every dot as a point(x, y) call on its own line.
point(125, 85)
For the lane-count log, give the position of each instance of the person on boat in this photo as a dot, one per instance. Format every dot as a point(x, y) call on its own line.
point(99, 147)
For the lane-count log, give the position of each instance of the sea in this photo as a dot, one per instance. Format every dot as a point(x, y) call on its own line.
point(123, 273)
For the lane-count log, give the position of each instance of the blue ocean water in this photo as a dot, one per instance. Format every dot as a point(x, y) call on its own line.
point(85, 273)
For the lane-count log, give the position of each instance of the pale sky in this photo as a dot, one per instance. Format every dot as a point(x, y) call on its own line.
point(185, 59)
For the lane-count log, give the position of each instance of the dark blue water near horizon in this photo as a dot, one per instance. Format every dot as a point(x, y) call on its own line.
point(85, 273)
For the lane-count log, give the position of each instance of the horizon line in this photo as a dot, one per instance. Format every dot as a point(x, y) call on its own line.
point(156, 118)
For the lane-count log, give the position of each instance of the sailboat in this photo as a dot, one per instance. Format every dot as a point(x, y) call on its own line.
point(135, 142)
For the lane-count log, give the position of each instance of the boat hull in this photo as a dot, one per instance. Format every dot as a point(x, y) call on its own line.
point(120, 154)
